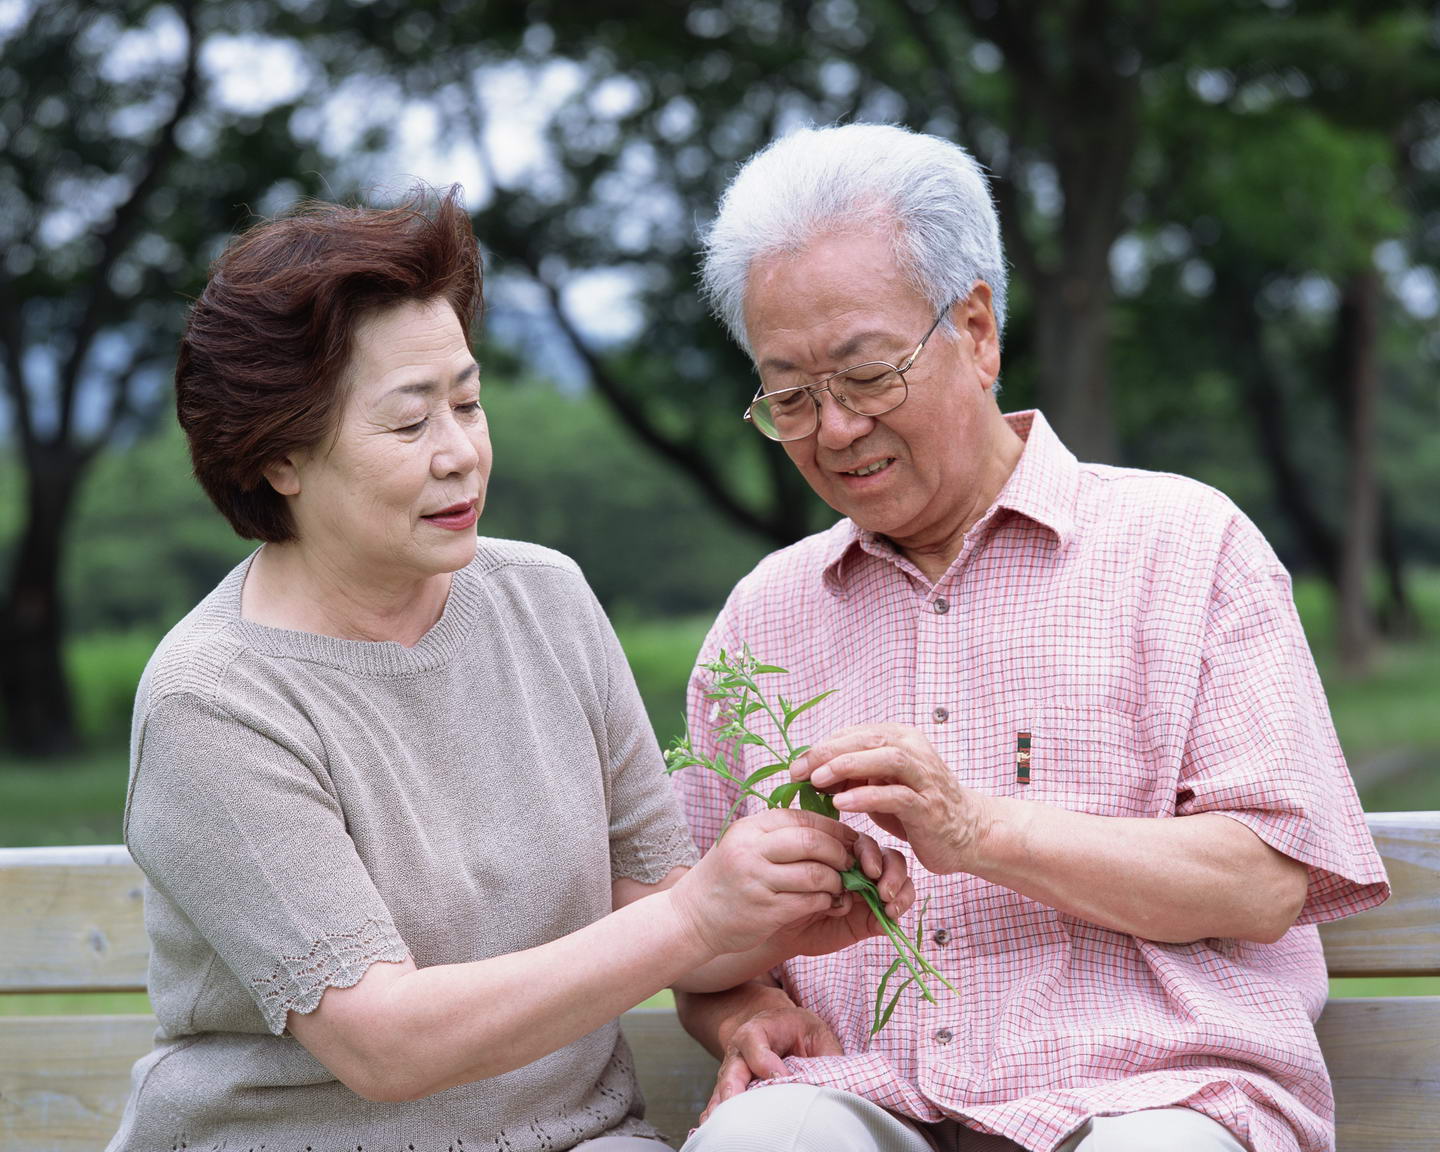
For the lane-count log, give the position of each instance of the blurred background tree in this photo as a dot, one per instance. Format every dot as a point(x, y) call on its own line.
point(1222, 220)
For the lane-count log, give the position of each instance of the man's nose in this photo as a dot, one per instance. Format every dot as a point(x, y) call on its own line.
point(839, 427)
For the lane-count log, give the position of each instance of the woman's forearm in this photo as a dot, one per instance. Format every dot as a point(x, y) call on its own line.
point(407, 1032)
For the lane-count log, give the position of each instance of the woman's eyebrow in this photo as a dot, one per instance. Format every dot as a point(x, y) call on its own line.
point(429, 387)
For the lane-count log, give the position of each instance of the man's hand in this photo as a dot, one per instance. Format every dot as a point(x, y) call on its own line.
point(757, 1048)
point(894, 775)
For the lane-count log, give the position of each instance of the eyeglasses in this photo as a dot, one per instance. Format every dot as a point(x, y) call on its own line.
point(869, 389)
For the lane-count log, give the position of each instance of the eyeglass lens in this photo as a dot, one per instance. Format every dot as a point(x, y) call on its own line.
point(793, 413)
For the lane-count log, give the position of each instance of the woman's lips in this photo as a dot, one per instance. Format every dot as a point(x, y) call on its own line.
point(456, 519)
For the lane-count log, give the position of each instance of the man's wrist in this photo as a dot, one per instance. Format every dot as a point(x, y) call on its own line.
point(1001, 836)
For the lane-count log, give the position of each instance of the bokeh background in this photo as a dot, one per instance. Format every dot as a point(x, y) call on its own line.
point(1222, 217)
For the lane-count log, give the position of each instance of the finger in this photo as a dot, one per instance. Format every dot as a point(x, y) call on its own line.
point(732, 1079)
point(890, 799)
point(872, 859)
point(774, 819)
point(761, 1060)
point(855, 738)
point(886, 763)
point(789, 845)
point(890, 877)
point(903, 901)
point(808, 885)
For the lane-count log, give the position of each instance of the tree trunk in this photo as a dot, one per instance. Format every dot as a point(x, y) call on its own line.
point(1358, 365)
point(1072, 346)
point(1398, 619)
point(34, 691)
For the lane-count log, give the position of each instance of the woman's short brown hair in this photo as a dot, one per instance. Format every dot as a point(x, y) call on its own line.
point(265, 348)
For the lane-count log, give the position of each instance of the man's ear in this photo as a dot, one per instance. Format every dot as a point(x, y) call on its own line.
point(283, 475)
point(975, 317)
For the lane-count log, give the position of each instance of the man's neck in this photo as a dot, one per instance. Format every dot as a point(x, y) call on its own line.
point(934, 554)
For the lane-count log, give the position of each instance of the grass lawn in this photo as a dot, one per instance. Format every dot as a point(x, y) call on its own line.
point(1389, 724)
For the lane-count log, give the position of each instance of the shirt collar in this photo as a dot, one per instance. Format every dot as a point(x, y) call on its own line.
point(1042, 488)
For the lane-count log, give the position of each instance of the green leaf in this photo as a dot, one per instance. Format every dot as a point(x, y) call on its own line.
point(894, 1003)
point(764, 773)
point(767, 669)
point(781, 797)
point(813, 800)
point(808, 704)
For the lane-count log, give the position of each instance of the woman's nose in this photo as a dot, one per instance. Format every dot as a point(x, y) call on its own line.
point(456, 453)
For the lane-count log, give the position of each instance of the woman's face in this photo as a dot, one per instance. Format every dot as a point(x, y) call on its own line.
point(395, 492)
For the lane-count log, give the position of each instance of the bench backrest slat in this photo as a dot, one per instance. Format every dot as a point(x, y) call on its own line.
point(71, 920)
point(1401, 936)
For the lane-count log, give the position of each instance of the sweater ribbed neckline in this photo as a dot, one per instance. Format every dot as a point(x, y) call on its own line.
point(359, 657)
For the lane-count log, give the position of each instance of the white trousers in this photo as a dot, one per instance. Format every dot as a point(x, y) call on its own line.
point(802, 1118)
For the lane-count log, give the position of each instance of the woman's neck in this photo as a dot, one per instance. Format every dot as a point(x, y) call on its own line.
point(288, 586)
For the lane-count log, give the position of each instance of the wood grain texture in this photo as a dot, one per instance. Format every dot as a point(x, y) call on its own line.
point(71, 919)
point(1384, 1060)
point(64, 1079)
point(675, 1073)
point(1401, 936)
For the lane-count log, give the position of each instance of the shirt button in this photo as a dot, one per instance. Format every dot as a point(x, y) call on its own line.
point(942, 606)
point(942, 937)
point(941, 715)
point(943, 1036)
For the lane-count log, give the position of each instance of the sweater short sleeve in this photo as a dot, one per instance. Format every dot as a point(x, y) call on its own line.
point(648, 836)
point(231, 821)
point(1262, 750)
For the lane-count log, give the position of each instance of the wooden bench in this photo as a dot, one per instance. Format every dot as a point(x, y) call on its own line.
point(70, 921)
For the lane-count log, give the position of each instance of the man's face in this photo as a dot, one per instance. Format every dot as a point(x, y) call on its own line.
point(841, 301)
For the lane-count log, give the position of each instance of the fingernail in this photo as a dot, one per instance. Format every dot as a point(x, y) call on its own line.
point(822, 777)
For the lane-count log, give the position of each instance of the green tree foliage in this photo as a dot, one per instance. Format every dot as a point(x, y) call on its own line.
point(121, 172)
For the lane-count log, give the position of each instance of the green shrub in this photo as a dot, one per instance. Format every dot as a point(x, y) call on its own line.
point(104, 671)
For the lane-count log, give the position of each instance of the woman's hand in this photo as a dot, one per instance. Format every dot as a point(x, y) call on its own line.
point(852, 921)
point(771, 871)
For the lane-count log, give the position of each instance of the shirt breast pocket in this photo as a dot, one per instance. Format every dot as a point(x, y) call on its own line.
point(1096, 760)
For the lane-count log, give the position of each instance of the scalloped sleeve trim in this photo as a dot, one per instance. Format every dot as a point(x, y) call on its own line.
point(649, 859)
point(335, 960)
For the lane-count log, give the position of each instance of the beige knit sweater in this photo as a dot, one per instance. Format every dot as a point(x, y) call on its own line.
point(303, 806)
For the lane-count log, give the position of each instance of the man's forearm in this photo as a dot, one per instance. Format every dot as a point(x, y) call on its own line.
point(1171, 880)
point(711, 1017)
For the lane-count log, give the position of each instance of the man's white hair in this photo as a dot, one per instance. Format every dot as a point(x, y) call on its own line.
point(816, 181)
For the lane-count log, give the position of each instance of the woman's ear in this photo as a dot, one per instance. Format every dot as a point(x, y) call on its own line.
point(283, 475)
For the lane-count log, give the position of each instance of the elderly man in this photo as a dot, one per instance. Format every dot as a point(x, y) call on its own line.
point(1076, 696)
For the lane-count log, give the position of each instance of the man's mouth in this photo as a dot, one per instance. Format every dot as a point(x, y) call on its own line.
point(871, 469)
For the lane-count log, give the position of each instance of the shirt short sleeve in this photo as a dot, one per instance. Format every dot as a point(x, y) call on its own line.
point(231, 820)
point(1262, 749)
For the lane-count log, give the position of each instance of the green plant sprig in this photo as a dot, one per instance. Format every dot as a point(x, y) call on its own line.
point(735, 686)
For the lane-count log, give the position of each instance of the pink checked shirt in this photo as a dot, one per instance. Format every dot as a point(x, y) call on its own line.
point(1140, 629)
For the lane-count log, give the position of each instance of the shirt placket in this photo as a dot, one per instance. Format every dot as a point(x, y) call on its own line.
point(941, 1027)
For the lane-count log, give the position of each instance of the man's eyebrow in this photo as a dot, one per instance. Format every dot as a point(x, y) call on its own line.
point(429, 387)
point(838, 355)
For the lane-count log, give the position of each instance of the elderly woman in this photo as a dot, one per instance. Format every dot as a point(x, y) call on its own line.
point(409, 845)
